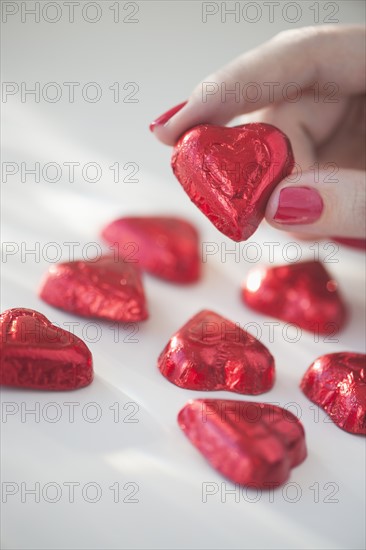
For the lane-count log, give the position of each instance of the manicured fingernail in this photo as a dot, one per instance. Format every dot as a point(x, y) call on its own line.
point(298, 205)
point(163, 119)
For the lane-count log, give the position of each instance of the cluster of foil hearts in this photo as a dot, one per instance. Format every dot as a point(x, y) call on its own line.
point(229, 173)
point(254, 443)
point(110, 287)
point(39, 355)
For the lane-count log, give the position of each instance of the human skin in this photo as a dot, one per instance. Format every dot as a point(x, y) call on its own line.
point(325, 124)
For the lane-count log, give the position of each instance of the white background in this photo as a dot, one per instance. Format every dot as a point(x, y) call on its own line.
point(165, 53)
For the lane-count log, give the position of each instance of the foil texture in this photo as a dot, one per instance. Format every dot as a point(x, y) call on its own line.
point(301, 293)
point(253, 444)
point(337, 383)
point(166, 247)
point(106, 288)
point(230, 173)
point(212, 353)
point(38, 355)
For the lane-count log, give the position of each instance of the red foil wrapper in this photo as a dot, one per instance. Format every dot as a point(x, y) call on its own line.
point(337, 383)
point(108, 288)
point(164, 246)
point(211, 353)
point(303, 294)
point(38, 355)
point(360, 244)
point(254, 444)
point(230, 173)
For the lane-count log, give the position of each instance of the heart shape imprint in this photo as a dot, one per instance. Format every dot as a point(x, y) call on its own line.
point(337, 383)
point(108, 287)
point(39, 355)
point(302, 293)
point(166, 247)
point(230, 173)
point(212, 353)
point(254, 444)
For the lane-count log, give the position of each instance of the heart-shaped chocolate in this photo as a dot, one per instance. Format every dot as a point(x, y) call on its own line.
point(254, 444)
point(166, 247)
point(337, 383)
point(108, 287)
point(360, 244)
point(230, 173)
point(302, 293)
point(211, 353)
point(38, 355)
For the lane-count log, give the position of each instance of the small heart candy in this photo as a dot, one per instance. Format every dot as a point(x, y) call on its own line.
point(230, 173)
point(166, 247)
point(302, 293)
point(108, 287)
point(360, 244)
point(254, 444)
point(337, 383)
point(211, 353)
point(38, 355)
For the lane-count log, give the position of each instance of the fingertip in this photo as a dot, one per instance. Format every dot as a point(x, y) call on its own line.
point(161, 127)
point(171, 125)
point(163, 135)
point(322, 207)
point(163, 119)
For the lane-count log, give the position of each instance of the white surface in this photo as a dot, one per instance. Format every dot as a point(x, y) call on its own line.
point(166, 53)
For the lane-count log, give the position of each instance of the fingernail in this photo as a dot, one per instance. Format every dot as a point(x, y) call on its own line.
point(162, 119)
point(298, 205)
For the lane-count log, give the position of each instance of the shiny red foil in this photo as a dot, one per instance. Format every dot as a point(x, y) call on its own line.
point(211, 353)
point(360, 244)
point(38, 355)
point(166, 247)
point(230, 173)
point(254, 444)
point(337, 383)
point(302, 293)
point(108, 288)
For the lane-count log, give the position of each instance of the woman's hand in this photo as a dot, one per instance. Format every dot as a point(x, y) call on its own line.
point(310, 83)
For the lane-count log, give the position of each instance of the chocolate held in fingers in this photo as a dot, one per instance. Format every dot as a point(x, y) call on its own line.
point(230, 173)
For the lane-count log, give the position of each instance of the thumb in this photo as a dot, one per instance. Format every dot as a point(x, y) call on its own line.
point(259, 77)
point(331, 205)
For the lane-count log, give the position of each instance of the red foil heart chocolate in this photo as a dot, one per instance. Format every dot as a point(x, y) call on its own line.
point(337, 383)
point(303, 294)
point(254, 444)
point(164, 246)
point(211, 353)
point(230, 173)
point(108, 288)
point(38, 355)
point(353, 243)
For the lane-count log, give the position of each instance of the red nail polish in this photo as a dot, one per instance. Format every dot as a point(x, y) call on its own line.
point(298, 205)
point(162, 119)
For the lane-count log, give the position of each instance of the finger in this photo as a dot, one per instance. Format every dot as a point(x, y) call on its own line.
point(287, 64)
point(320, 204)
point(307, 125)
point(288, 119)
